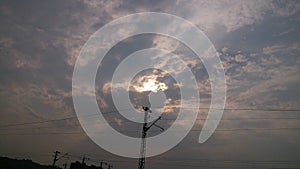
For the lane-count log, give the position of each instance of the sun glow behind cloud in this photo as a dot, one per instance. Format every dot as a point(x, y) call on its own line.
point(151, 85)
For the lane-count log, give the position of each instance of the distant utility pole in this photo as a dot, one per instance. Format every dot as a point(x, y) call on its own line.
point(65, 165)
point(144, 135)
point(83, 160)
point(101, 163)
point(55, 158)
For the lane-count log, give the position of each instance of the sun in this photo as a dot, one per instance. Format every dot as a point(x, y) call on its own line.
point(152, 85)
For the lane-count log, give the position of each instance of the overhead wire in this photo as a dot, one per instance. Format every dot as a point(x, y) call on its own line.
point(136, 131)
point(115, 111)
point(7, 127)
point(54, 120)
point(164, 119)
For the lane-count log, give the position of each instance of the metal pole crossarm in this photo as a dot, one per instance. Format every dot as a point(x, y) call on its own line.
point(147, 128)
point(62, 156)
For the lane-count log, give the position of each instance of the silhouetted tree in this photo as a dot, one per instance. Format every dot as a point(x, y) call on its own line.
point(8, 163)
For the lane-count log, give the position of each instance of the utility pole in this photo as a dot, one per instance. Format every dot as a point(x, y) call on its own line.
point(65, 165)
point(55, 158)
point(144, 136)
point(101, 163)
point(83, 160)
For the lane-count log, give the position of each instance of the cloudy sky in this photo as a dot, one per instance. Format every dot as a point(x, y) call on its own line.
point(258, 43)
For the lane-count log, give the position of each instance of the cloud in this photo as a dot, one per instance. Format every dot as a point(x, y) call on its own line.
point(205, 14)
point(103, 104)
point(270, 86)
point(240, 58)
point(284, 8)
point(106, 7)
point(234, 15)
point(264, 78)
point(165, 43)
point(35, 102)
point(118, 121)
point(6, 42)
point(277, 49)
point(15, 57)
point(106, 88)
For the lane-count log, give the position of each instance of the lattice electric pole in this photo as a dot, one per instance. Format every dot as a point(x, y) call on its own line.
point(144, 136)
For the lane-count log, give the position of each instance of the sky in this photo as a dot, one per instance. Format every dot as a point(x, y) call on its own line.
point(258, 43)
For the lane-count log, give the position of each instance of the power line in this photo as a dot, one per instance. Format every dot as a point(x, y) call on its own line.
point(58, 119)
point(115, 111)
point(237, 109)
point(165, 119)
point(168, 119)
point(136, 131)
point(245, 118)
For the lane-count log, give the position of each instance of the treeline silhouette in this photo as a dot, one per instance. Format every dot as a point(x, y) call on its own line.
point(78, 165)
point(9, 163)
